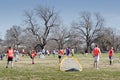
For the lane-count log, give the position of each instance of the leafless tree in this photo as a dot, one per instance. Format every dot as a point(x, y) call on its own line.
point(117, 43)
point(89, 26)
point(29, 41)
point(13, 36)
point(61, 35)
point(47, 18)
point(75, 41)
point(109, 39)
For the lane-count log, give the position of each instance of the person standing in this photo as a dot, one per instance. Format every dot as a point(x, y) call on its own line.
point(96, 54)
point(111, 53)
point(16, 53)
point(1, 56)
point(60, 53)
point(33, 54)
point(54, 52)
point(72, 51)
point(68, 51)
point(10, 55)
point(43, 51)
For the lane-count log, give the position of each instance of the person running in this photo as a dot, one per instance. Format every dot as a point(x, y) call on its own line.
point(33, 54)
point(96, 54)
point(60, 53)
point(111, 53)
point(10, 55)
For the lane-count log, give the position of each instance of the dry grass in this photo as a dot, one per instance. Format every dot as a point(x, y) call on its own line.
point(47, 69)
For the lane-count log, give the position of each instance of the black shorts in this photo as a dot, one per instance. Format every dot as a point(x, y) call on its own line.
point(59, 56)
point(10, 58)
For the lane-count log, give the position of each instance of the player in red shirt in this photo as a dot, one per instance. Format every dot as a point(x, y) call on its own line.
point(32, 55)
point(111, 53)
point(60, 53)
point(96, 54)
point(10, 55)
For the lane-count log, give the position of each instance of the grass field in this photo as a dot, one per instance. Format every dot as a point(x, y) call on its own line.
point(47, 69)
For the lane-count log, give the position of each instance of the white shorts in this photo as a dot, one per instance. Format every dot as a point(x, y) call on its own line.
point(96, 58)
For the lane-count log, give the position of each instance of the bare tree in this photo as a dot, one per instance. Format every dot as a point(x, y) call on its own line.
point(75, 41)
point(117, 43)
point(13, 36)
point(47, 18)
point(29, 41)
point(88, 27)
point(61, 35)
point(109, 39)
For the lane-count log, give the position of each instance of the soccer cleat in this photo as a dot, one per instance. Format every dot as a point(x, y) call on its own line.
point(32, 62)
point(6, 66)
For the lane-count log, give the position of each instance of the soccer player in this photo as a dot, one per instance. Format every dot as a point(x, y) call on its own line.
point(10, 55)
point(60, 53)
point(111, 53)
point(33, 54)
point(96, 54)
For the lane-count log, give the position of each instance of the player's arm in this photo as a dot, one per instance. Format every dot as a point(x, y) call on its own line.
point(113, 53)
point(99, 51)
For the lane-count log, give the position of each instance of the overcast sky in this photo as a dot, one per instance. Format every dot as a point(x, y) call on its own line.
point(11, 11)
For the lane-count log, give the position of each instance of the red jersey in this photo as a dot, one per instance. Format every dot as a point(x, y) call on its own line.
point(111, 52)
point(33, 54)
point(10, 53)
point(60, 52)
point(96, 51)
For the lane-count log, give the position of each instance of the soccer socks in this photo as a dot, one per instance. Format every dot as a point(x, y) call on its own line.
point(11, 64)
point(8, 64)
point(110, 62)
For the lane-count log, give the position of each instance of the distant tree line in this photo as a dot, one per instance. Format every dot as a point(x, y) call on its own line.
point(43, 29)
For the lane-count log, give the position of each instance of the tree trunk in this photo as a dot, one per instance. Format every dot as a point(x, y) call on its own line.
point(88, 47)
point(39, 47)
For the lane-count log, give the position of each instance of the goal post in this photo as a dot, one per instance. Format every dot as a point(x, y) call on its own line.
point(70, 64)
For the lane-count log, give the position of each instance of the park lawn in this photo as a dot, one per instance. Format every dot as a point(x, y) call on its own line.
point(48, 69)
